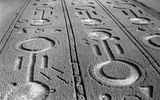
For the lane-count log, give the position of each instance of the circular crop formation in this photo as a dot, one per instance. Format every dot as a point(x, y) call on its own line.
point(40, 22)
point(122, 5)
point(140, 21)
point(116, 73)
point(35, 45)
point(91, 22)
point(99, 35)
point(152, 41)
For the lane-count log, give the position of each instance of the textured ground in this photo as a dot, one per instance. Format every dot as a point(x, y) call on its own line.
point(79, 50)
point(151, 3)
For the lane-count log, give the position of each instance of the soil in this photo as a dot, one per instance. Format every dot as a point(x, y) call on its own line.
point(79, 50)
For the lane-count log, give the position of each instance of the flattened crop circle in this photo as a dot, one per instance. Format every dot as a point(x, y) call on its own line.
point(140, 21)
point(152, 41)
point(123, 5)
point(40, 22)
point(99, 35)
point(92, 22)
point(35, 45)
point(133, 75)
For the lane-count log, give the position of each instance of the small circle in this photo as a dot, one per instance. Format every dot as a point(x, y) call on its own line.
point(152, 41)
point(103, 75)
point(122, 5)
point(35, 45)
point(40, 22)
point(84, 7)
point(99, 35)
point(91, 22)
point(140, 21)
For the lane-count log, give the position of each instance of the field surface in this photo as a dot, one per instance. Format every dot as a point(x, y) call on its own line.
point(79, 50)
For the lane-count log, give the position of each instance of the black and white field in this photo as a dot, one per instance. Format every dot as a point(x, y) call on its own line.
point(79, 50)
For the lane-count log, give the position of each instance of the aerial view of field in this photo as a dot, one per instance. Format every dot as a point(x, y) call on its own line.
point(80, 50)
